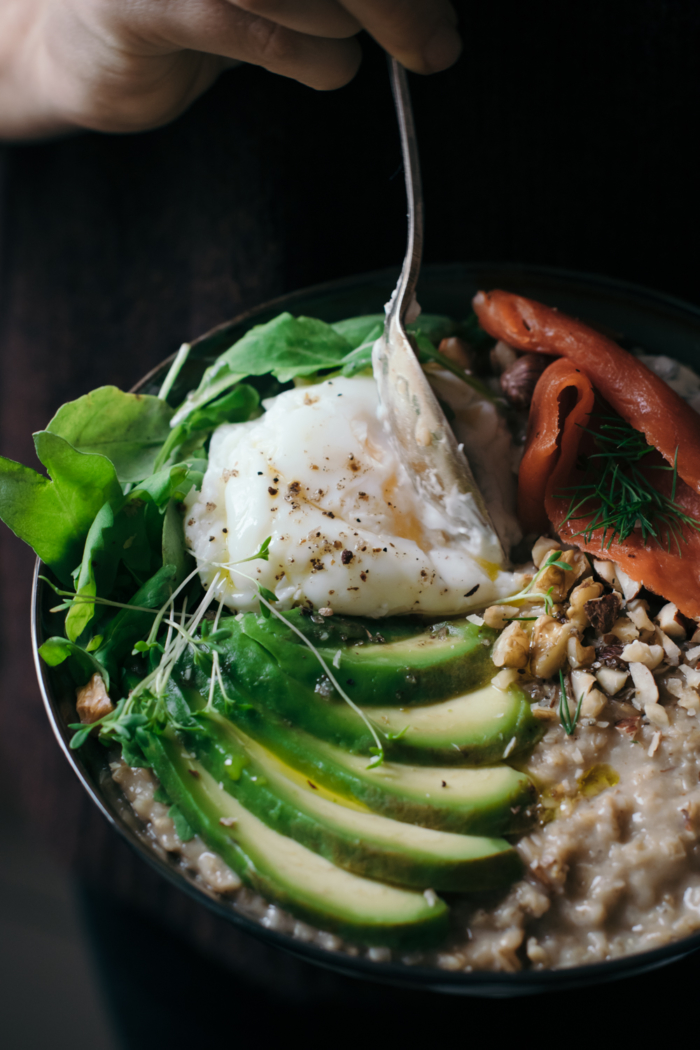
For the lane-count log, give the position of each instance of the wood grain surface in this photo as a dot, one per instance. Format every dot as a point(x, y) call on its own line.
point(565, 136)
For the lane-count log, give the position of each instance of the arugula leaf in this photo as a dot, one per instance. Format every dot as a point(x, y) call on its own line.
point(356, 330)
point(120, 533)
point(82, 612)
point(286, 347)
point(361, 357)
point(129, 626)
point(236, 406)
point(56, 650)
point(173, 542)
point(172, 482)
point(54, 516)
point(128, 429)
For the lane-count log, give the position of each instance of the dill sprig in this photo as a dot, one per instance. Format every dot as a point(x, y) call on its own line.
point(568, 721)
point(625, 497)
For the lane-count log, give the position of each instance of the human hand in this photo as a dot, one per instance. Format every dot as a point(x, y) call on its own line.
point(131, 65)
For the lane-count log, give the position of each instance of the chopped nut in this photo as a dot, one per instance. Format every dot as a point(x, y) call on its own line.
point(624, 629)
point(670, 622)
point(512, 648)
point(671, 650)
point(629, 726)
point(92, 701)
point(593, 704)
point(562, 580)
point(502, 356)
point(544, 714)
point(498, 616)
point(606, 571)
point(637, 611)
point(639, 652)
point(612, 680)
point(685, 696)
point(655, 741)
point(692, 676)
point(582, 682)
point(647, 691)
point(583, 593)
point(505, 678)
point(549, 646)
point(630, 587)
point(609, 655)
point(542, 547)
point(579, 655)
point(519, 380)
point(458, 351)
point(656, 715)
point(603, 612)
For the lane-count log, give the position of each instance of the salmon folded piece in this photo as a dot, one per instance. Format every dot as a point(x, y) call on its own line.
point(640, 397)
point(561, 409)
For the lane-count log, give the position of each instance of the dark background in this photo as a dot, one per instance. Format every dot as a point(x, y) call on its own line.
point(565, 136)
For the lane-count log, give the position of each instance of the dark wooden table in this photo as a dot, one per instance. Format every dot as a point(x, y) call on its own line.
point(565, 136)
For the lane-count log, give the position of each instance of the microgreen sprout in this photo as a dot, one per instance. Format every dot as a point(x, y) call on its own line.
point(81, 599)
point(568, 721)
point(529, 594)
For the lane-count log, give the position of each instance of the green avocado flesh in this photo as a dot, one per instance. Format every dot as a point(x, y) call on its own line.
point(322, 828)
point(283, 870)
point(395, 661)
point(492, 800)
point(476, 727)
point(344, 832)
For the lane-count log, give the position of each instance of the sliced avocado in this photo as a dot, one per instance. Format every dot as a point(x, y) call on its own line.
point(286, 872)
point(400, 660)
point(346, 833)
point(476, 728)
point(492, 800)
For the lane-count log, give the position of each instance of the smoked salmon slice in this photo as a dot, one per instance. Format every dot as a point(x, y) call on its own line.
point(560, 415)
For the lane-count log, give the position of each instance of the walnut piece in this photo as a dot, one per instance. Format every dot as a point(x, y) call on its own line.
point(549, 646)
point(512, 648)
point(519, 380)
point(562, 580)
point(603, 612)
point(92, 701)
point(458, 351)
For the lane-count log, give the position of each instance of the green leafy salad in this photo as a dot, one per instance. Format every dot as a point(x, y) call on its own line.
point(349, 769)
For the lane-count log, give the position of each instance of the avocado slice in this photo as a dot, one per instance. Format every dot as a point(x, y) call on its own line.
point(476, 728)
point(400, 660)
point(492, 800)
point(347, 833)
point(286, 872)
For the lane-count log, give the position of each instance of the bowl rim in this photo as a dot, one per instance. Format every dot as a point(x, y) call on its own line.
point(477, 983)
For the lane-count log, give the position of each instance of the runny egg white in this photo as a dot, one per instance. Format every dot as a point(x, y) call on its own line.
point(317, 473)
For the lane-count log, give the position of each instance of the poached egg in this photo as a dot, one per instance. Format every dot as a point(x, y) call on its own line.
point(317, 473)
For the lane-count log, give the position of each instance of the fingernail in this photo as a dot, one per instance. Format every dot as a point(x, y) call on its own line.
point(443, 49)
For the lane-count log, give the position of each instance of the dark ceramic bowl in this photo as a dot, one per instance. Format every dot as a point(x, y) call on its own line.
point(633, 315)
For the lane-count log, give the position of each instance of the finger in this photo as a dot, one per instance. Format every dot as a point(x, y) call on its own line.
point(421, 34)
point(217, 27)
point(315, 17)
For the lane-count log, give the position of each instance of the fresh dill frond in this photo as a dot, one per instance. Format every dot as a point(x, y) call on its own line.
point(617, 497)
point(568, 721)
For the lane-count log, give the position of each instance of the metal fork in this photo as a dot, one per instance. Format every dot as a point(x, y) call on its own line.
point(436, 464)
